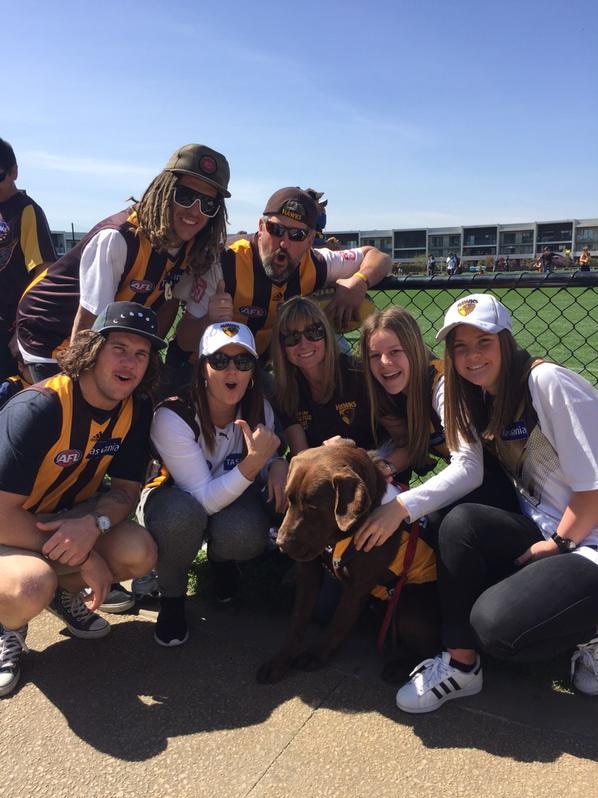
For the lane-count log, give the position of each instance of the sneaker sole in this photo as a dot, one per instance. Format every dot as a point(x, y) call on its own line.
point(115, 608)
point(463, 693)
point(87, 634)
point(173, 643)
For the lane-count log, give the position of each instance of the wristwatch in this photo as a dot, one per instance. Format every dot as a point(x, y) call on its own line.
point(564, 544)
point(103, 523)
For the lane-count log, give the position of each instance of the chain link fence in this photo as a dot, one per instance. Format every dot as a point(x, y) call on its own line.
point(555, 315)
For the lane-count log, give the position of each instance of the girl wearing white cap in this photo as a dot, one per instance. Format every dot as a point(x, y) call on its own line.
point(520, 586)
point(216, 444)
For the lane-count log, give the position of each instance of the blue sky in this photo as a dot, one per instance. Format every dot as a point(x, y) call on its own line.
point(405, 114)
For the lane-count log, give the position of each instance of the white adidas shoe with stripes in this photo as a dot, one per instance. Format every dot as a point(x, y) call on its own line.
point(435, 681)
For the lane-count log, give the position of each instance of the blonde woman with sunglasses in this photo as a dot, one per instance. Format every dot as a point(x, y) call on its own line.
point(319, 392)
point(217, 447)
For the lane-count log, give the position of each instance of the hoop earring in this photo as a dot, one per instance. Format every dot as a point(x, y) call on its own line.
point(205, 383)
point(251, 383)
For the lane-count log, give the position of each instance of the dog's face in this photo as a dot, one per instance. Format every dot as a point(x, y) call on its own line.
point(330, 489)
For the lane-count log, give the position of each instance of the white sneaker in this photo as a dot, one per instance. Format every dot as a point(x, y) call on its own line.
point(584, 667)
point(435, 681)
point(12, 645)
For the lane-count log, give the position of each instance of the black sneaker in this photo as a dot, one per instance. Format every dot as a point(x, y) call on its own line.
point(118, 599)
point(79, 620)
point(12, 645)
point(171, 626)
point(225, 579)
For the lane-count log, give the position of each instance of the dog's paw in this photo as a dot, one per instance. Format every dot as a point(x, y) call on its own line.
point(309, 661)
point(272, 671)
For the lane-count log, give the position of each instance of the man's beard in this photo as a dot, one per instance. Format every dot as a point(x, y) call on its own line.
point(276, 276)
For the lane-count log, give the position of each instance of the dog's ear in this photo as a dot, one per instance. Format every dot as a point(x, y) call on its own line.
point(352, 498)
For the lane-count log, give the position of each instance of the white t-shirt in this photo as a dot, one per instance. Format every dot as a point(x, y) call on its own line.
point(101, 269)
point(464, 473)
point(561, 455)
point(196, 292)
point(212, 478)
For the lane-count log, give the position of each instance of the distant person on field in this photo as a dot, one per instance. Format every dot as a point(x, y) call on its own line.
point(25, 247)
point(431, 266)
point(585, 259)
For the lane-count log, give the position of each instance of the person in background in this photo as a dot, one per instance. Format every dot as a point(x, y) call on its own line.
point(217, 449)
point(585, 259)
point(25, 249)
point(521, 586)
point(59, 533)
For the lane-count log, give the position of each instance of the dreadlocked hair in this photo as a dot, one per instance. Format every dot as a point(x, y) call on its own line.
point(82, 355)
point(154, 213)
point(469, 410)
point(251, 405)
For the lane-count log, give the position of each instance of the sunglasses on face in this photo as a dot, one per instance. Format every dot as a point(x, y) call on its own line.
point(186, 197)
point(219, 361)
point(294, 233)
point(315, 332)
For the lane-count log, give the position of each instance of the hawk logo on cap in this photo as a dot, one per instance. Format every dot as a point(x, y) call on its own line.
point(467, 307)
point(207, 165)
point(230, 329)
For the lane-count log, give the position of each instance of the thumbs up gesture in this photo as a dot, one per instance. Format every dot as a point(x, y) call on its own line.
point(261, 444)
point(220, 305)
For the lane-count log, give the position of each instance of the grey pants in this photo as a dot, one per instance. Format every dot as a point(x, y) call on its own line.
point(178, 523)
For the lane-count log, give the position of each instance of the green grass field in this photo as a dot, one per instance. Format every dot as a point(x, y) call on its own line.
point(558, 323)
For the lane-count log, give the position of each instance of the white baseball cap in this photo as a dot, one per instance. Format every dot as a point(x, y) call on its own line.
point(224, 333)
point(483, 311)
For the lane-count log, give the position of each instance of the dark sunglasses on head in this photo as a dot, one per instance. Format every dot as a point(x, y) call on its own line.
point(279, 230)
point(185, 197)
point(243, 362)
point(315, 332)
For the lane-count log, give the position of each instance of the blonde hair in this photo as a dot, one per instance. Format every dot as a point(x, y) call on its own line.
point(301, 311)
point(154, 212)
point(418, 408)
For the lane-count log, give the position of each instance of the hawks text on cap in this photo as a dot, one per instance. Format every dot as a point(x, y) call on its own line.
point(224, 333)
point(295, 204)
point(483, 311)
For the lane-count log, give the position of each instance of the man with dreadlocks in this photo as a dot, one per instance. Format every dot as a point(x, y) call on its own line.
point(136, 255)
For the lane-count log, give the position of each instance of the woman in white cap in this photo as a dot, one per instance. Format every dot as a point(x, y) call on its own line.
point(520, 586)
point(216, 445)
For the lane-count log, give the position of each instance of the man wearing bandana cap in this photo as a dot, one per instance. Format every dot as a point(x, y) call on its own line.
point(279, 262)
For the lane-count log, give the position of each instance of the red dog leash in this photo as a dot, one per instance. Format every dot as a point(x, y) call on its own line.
point(393, 599)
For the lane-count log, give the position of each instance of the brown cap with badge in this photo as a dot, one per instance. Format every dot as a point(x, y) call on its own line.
point(295, 204)
point(201, 161)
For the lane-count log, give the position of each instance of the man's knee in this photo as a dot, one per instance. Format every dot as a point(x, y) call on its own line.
point(129, 550)
point(31, 591)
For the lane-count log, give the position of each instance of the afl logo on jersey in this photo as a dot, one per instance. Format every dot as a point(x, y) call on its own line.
point(141, 286)
point(68, 458)
point(251, 311)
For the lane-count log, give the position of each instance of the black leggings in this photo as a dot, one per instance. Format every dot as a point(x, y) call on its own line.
point(527, 614)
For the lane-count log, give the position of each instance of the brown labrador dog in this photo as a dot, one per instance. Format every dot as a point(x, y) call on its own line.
point(331, 490)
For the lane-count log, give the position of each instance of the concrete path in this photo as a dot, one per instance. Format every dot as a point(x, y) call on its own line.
point(124, 717)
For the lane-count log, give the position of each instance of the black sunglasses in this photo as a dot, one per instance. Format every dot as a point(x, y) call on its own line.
point(220, 360)
point(279, 230)
point(315, 332)
point(185, 197)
